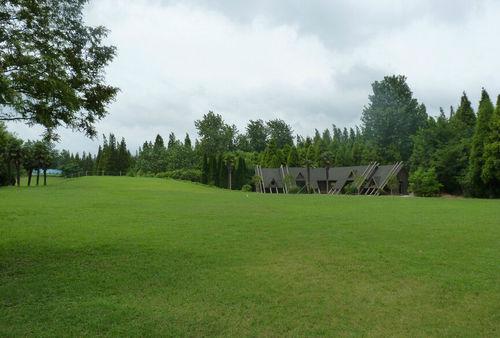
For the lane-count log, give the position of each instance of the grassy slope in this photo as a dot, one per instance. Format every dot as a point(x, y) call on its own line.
point(136, 256)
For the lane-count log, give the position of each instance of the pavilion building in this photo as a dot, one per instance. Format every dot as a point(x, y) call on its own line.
point(371, 179)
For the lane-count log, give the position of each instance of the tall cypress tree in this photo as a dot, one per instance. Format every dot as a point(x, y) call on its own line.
point(475, 184)
point(124, 157)
point(187, 141)
point(240, 175)
point(214, 173)
point(98, 159)
point(172, 141)
point(222, 172)
point(491, 169)
point(103, 161)
point(112, 160)
point(464, 114)
point(205, 169)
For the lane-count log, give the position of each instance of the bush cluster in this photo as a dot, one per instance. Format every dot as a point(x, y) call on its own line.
point(425, 183)
point(193, 175)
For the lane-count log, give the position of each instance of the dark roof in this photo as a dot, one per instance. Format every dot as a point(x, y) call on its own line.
point(339, 175)
point(270, 174)
point(342, 174)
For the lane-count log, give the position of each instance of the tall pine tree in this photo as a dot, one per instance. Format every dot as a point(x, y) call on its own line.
point(214, 172)
point(464, 119)
point(205, 170)
point(476, 186)
point(240, 174)
point(491, 169)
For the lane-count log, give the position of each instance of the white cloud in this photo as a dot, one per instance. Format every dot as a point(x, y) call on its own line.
point(442, 60)
point(311, 65)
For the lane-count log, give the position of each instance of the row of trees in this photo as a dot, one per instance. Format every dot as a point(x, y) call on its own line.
point(52, 68)
point(462, 148)
point(30, 156)
point(458, 151)
point(24, 158)
point(52, 74)
point(156, 157)
point(113, 158)
point(226, 171)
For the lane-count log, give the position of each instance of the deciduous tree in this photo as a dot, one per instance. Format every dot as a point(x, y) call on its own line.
point(257, 134)
point(52, 65)
point(392, 116)
point(280, 132)
point(216, 137)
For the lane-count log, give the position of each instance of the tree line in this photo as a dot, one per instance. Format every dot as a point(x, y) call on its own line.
point(18, 157)
point(457, 152)
point(52, 74)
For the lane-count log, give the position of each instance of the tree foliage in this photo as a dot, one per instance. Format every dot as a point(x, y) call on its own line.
point(216, 136)
point(257, 134)
point(424, 182)
point(476, 185)
point(490, 173)
point(453, 152)
point(52, 65)
point(392, 117)
point(280, 133)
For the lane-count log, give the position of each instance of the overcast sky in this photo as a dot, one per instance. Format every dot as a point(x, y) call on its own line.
point(308, 62)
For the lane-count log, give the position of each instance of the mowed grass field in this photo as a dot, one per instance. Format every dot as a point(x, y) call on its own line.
point(123, 256)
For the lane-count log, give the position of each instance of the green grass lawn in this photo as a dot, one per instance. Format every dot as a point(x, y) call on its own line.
point(140, 256)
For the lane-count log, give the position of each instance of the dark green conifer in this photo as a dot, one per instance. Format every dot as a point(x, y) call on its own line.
point(475, 184)
point(464, 118)
point(205, 169)
point(491, 170)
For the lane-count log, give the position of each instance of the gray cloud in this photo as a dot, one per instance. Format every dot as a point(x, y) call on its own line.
point(343, 23)
point(308, 62)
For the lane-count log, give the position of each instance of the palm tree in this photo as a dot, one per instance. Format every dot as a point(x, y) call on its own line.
point(47, 159)
point(38, 158)
point(308, 163)
point(15, 155)
point(326, 161)
point(29, 162)
point(44, 155)
point(229, 159)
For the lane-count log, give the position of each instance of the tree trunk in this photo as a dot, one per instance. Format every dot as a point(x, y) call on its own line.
point(9, 174)
point(30, 173)
point(44, 176)
point(18, 174)
point(37, 176)
point(308, 179)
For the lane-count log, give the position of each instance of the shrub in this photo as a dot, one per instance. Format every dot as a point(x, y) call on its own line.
point(425, 183)
point(393, 184)
point(5, 178)
point(289, 181)
point(164, 174)
point(350, 189)
point(246, 187)
point(294, 190)
point(256, 179)
point(193, 175)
